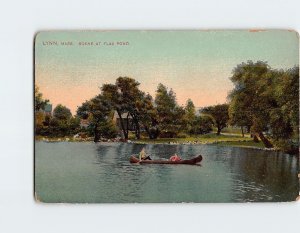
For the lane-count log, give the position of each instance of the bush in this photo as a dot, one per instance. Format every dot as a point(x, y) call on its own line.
point(108, 130)
point(202, 125)
point(167, 134)
point(182, 135)
point(287, 146)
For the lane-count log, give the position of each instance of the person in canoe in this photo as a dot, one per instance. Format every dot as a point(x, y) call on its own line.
point(143, 155)
point(175, 157)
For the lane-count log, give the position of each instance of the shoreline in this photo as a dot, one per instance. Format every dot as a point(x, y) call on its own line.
point(241, 143)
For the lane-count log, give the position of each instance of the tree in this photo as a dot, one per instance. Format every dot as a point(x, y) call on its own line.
point(62, 123)
point(286, 94)
point(147, 115)
point(170, 115)
point(122, 97)
point(39, 121)
point(39, 102)
point(202, 125)
point(62, 113)
point(98, 110)
point(130, 94)
point(219, 113)
point(268, 100)
point(251, 96)
point(237, 114)
point(284, 119)
point(190, 115)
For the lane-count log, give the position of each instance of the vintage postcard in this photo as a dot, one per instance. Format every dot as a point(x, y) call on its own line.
point(166, 116)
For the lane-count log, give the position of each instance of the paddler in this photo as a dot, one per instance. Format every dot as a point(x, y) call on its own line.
point(143, 155)
point(175, 157)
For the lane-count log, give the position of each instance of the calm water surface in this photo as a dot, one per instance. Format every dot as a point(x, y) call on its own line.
point(99, 173)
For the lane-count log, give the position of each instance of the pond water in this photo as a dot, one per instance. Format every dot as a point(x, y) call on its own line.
point(84, 172)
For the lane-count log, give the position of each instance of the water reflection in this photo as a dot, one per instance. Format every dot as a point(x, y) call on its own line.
point(101, 172)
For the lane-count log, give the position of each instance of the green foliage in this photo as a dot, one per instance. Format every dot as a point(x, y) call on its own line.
point(108, 129)
point(170, 116)
point(83, 110)
point(147, 115)
point(202, 125)
point(39, 122)
point(123, 97)
point(287, 146)
point(39, 102)
point(62, 113)
point(189, 116)
point(59, 125)
point(98, 111)
point(219, 114)
point(266, 100)
point(286, 94)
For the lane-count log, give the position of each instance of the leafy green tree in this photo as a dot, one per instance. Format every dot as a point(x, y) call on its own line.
point(147, 114)
point(268, 100)
point(286, 92)
point(39, 102)
point(62, 113)
point(237, 116)
point(284, 118)
point(219, 114)
point(61, 124)
point(74, 125)
point(170, 115)
point(128, 89)
point(202, 125)
point(98, 111)
point(116, 95)
point(39, 122)
point(83, 111)
point(251, 96)
point(190, 115)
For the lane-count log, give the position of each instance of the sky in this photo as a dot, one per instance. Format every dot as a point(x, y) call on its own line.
point(71, 66)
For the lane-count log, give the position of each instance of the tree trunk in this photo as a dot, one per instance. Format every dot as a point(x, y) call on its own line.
point(138, 131)
point(148, 132)
point(219, 131)
point(137, 126)
point(96, 133)
point(255, 138)
point(127, 124)
point(125, 132)
point(242, 128)
point(265, 141)
point(248, 128)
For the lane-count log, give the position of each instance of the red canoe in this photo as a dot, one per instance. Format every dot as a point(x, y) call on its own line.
point(192, 161)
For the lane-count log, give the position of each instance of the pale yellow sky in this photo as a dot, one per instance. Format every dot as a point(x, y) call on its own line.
point(196, 64)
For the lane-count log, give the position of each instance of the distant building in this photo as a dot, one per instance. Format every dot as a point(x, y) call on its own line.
point(198, 110)
point(84, 123)
point(48, 110)
point(126, 119)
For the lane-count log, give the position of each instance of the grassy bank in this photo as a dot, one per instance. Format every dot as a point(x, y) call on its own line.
point(63, 139)
point(225, 139)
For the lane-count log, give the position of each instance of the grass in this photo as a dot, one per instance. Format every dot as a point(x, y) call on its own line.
point(243, 144)
point(225, 139)
point(58, 139)
point(206, 138)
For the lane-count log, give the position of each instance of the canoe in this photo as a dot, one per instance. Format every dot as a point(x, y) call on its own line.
point(192, 161)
